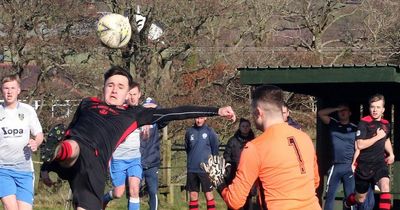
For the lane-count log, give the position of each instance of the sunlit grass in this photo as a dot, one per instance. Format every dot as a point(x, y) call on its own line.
point(56, 197)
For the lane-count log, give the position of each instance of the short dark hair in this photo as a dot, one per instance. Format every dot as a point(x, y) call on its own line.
point(135, 84)
point(244, 120)
point(268, 94)
point(117, 70)
point(285, 104)
point(345, 104)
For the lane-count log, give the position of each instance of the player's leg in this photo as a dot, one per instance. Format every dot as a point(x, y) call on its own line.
point(361, 189)
point(9, 202)
point(193, 187)
point(135, 175)
point(25, 189)
point(385, 198)
point(118, 175)
point(348, 180)
point(369, 202)
point(151, 179)
point(66, 152)
point(334, 177)
point(89, 179)
point(118, 191)
point(16, 191)
point(134, 186)
point(207, 188)
point(24, 206)
point(8, 190)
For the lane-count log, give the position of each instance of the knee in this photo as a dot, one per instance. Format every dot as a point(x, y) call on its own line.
point(118, 193)
point(75, 148)
point(194, 196)
point(209, 196)
point(134, 191)
point(385, 188)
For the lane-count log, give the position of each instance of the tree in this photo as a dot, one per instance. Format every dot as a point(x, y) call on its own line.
point(380, 21)
point(40, 33)
point(311, 19)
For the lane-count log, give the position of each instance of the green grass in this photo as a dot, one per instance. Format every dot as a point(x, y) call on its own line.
point(56, 197)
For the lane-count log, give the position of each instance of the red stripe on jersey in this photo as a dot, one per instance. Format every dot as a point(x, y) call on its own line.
point(95, 99)
point(128, 131)
point(370, 119)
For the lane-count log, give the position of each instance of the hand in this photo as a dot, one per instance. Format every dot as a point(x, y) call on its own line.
point(215, 168)
point(227, 112)
point(353, 167)
point(150, 105)
point(145, 132)
point(32, 144)
point(380, 133)
point(389, 159)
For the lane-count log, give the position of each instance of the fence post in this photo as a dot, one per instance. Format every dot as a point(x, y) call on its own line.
point(167, 164)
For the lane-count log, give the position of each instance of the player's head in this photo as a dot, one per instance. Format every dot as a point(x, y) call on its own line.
point(117, 83)
point(377, 106)
point(285, 111)
point(11, 88)
point(200, 121)
point(266, 104)
point(134, 94)
point(244, 126)
point(344, 112)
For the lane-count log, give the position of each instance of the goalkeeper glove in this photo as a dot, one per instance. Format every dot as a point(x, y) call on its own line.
point(215, 168)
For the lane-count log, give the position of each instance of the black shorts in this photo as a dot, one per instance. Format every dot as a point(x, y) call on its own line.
point(194, 180)
point(366, 176)
point(86, 178)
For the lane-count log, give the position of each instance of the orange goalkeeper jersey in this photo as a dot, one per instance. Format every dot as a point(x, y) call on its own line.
point(283, 160)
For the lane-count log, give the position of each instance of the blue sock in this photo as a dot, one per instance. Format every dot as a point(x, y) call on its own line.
point(134, 203)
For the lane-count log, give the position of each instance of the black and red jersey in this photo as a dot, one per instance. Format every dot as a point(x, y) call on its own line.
point(103, 127)
point(367, 129)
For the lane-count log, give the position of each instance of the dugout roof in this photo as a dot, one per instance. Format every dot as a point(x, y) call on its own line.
point(349, 82)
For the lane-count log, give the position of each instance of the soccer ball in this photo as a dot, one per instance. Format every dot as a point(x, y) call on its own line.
point(114, 30)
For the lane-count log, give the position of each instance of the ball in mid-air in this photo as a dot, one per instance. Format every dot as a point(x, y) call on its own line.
point(114, 30)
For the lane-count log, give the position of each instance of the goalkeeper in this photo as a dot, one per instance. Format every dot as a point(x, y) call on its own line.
point(282, 158)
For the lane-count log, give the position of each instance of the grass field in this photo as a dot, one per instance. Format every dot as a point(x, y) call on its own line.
point(56, 197)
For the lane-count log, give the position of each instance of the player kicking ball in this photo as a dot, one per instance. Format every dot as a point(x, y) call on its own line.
point(98, 127)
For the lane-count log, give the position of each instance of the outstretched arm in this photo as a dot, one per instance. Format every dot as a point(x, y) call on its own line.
point(151, 115)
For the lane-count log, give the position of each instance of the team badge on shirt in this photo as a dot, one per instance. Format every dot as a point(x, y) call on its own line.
point(204, 135)
point(21, 116)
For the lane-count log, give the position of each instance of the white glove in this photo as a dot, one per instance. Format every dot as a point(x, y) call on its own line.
point(215, 168)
